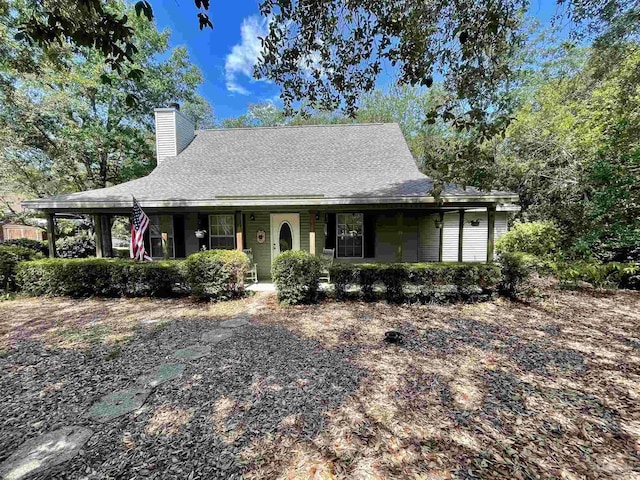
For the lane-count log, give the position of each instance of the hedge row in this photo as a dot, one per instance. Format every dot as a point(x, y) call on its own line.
point(417, 282)
point(211, 275)
point(100, 277)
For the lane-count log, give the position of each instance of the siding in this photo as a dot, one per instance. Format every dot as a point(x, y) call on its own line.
point(474, 248)
point(411, 239)
point(174, 132)
point(183, 130)
point(450, 237)
point(429, 239)
point(165, 135)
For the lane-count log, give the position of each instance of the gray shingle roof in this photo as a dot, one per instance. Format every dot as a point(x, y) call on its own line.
point(355, 163)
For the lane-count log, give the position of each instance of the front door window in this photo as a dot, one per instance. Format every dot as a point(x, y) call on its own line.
point(286, 238)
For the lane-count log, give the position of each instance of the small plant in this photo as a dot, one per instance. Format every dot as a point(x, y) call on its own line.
point(216, 274)
point(297, 276)
point(516, 269)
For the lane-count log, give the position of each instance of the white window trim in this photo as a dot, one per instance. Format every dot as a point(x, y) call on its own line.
point(232, 235)
point(172, 238)
point(338, 236)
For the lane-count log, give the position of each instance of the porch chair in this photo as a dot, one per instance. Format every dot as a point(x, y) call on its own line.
point(327, 262)
point(252, 273)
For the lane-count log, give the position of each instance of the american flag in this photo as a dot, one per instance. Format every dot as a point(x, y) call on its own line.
point(139, 225)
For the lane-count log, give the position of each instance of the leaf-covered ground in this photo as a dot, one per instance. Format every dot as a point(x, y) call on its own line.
point(547, 389)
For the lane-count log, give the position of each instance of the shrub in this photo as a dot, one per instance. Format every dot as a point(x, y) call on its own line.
point(216, 274)
point(100, 277)
point(422, 282)
point(296, 274)
point(600, 275)
point(10, 257)
point(36, 245)
point(78, 246)
point(534, 238)
point(516, 268)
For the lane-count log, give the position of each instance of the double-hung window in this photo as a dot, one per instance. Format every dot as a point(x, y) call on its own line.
point(159, 224)
point(349, 235)
point(222, 231)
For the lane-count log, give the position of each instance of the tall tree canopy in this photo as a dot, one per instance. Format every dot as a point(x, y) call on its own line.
point(65, 122)
point(331, 51)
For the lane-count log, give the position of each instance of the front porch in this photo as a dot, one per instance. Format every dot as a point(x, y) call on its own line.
point(365, 233)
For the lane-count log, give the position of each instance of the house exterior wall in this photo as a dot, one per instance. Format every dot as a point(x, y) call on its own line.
point(429, 239)
point(419, 235)
point(450, 237)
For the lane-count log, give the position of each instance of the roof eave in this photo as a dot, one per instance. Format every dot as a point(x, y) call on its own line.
point(311, 200)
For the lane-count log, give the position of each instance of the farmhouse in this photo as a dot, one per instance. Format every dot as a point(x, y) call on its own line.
point(354, 189)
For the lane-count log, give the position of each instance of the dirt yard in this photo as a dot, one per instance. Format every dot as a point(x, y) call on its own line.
point(546, 389)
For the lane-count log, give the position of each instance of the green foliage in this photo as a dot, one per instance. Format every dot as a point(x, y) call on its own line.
point(600, 275)
point(35, 245)
point(535, 238)
point(422, 282)
point(216, 274)
point(296, 274)
point(516, 268)
point(78, 246)
point(100, 277)
point(77, 129)
point(10, 257)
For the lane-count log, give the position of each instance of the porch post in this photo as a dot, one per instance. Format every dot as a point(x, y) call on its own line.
point(107, 246)
point(51, 234)
point(400, 220)
point(97, 229)
point(239, 231)
point(441, 240)
point(491, 227)
point(312, 232)
point(460, 235)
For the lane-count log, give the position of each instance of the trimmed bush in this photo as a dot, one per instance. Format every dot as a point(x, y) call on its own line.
point(216, 274)
point(36, 245)
point(417, 282)
point(296, 274)
point(516, 268)
point(100, 277)
point(78, 246)
point(534, 238)
point(10, 257)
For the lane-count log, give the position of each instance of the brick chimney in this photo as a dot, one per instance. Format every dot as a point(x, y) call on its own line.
point(174, 131)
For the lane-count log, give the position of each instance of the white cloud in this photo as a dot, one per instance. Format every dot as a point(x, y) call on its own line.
point(244, 56)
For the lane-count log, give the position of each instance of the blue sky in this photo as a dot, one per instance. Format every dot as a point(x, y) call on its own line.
point(226, 54)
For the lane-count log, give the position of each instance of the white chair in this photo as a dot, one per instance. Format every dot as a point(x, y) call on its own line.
point(252, 273)
point(327, 261)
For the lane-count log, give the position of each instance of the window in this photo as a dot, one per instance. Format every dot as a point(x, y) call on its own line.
point(222, 231)
point(349, 233)
point(160, 224)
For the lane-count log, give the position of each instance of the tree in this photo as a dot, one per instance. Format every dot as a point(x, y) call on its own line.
point(67, 125)
point(327, 53)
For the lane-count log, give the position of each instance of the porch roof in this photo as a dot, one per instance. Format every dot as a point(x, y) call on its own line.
point(306, 165)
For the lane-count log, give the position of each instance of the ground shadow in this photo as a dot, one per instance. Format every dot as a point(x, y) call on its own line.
point(262, 376)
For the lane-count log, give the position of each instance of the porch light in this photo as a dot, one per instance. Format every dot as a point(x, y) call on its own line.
point(200, 233)
point(317, 216)
point(438, 223)
point(252, 217)
point(474, 223)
